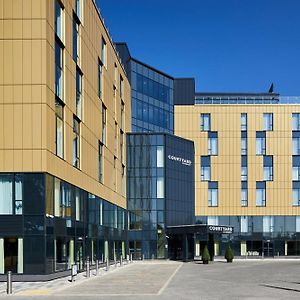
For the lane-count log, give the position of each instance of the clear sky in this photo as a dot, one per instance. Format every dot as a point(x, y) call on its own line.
point(227, 45)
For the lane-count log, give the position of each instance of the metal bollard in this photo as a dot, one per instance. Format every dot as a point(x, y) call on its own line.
point(115, 263)
point(9, 283)
point(130, 257)
point(88, 271)
point(143, 257)
point(152, 256)
point(121, 261)
point(97, 267)
point(73, 272)
point(102, 259)
point(127, 259)
point(107, 264)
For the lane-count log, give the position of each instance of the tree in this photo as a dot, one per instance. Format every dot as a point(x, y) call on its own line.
point(229, 254)
point(205, 255)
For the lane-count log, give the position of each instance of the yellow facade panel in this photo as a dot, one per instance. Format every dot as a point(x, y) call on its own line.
point(226, 166)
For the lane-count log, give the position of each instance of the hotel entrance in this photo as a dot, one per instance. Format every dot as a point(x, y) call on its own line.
point(187, 241)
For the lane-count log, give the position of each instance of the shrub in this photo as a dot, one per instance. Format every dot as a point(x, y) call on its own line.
point(205, 255)
point(229, 254)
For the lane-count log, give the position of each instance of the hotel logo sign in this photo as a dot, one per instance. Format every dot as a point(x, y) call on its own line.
point(219, 229)
point(183, 161)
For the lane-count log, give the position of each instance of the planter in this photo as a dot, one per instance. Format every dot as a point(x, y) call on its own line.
point(229, 260)
point(205, 262)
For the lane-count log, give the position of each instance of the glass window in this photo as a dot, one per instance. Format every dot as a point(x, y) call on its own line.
point(100, 162)
point(123, 180)
point(121, 87)
point(76, 142)
point(268, 173)
point(122, 115)
point(243, 122)
point(59, 70)
point(101, 212)
point(244, 224)
point(103, 52)
point(296, 122)
point(76, 39)
point(296, 173)
point(268, 121)
point(104, 115)
point(260, 194)
point(78, 205)
point(297, 223)
point(78, 8)
point(244, 173)
point(78, 93)
point(160, 187)
point(296, 197)
point(244, 197)
point(268, 223)
point(121, 145)
point(260, 146)
point(100, 79)
point(212, 146)
point(244, 146)
point(296, 146)
point(160, 156)
point(205, 173)
point(57, 210)
point(59, 113)
point(205, 122)
point(212, 197)
point(6, 195)
point(59, 20)
point(212, 220)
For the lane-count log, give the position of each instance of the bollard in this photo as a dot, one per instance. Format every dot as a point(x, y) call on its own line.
point(73, 272)
point(152, 256)
point(130, 257)
point(88, 273)
point(127, 259)
point(107, 264)
point(102, 259)
point(115, 262)
point(97, 267)
point(121, 261)
point(143, 257)
point(9, 283)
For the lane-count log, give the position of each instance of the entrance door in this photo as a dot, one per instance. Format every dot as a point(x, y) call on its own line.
point(10, 254)
point(80, 255)
point(268, 248)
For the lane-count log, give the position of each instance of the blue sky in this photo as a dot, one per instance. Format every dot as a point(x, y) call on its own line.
point(227, 45)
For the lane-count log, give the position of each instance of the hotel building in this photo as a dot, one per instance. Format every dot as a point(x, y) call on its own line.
point(65, 109)
point(246, 169)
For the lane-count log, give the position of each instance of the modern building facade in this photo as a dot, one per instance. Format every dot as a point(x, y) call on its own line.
point(246, 169)
point(160, 189)
point(152, 95)
point(65, 109)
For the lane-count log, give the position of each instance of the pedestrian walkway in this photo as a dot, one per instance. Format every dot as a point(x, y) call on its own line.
point(48, 287)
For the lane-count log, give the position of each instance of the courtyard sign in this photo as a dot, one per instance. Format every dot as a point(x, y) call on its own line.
point(183, 161)
point(219, 229)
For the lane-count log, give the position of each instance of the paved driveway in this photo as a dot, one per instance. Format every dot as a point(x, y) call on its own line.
point(263, 279)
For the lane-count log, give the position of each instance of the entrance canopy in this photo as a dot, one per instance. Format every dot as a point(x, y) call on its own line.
point(199, 229)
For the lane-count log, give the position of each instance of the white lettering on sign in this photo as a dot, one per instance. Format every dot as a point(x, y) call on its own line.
point(183, 161)
point(221, 229)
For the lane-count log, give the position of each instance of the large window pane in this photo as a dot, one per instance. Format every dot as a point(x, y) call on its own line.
point(58, 20)
point(160, 187)
point(6, 202)
point(160, 156)
point(244, 224)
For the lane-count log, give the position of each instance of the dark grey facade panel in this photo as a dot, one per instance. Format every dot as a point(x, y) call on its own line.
point(184, 91)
